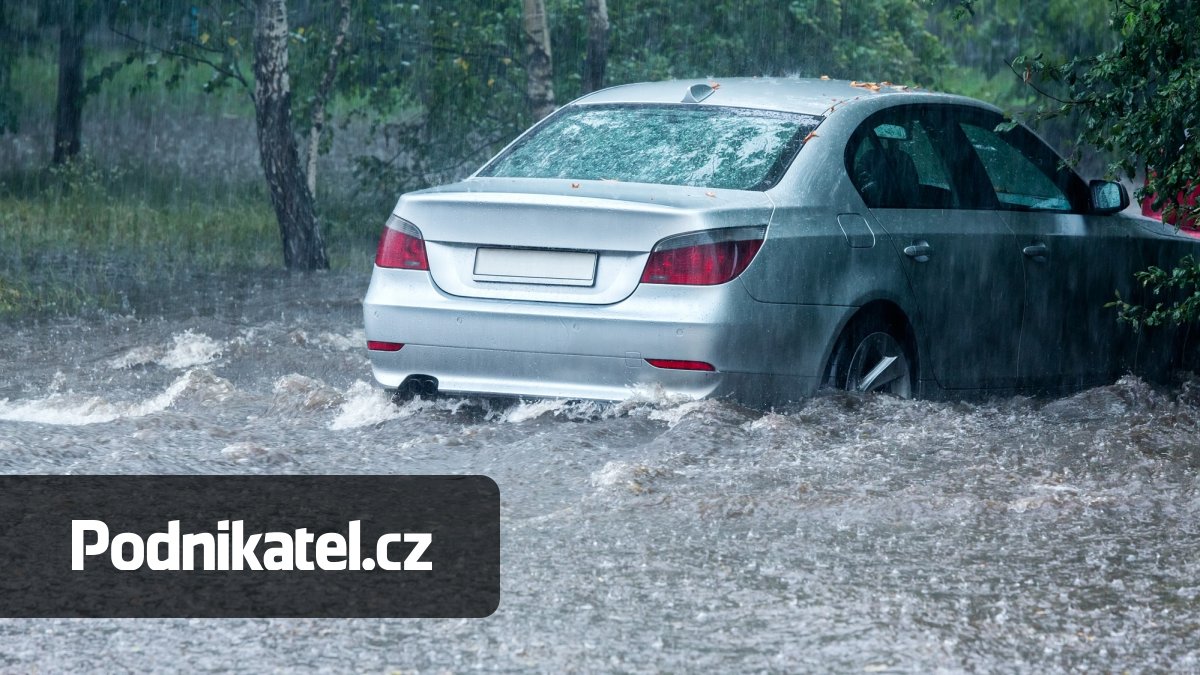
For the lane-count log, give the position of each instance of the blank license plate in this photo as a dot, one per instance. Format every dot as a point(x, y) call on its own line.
point(529, 266)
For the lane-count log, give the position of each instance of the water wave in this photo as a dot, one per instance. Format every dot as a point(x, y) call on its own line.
point(69, 409)
point(187, 350)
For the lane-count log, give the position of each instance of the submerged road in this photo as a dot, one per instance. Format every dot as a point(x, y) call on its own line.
point(843, 534)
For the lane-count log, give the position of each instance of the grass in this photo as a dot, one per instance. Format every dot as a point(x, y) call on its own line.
point(75, 242)
point(90, 223)
point(86, 238)
point(169, 188)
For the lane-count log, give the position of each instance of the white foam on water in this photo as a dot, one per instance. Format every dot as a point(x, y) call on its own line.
point(654, 395)
point(612, 473)
point(635, 477)
point(771, 422)
point(66, 409)
point(244, 450)
point(529, 410)
point(675, 414)
point(137, 356)
point(1129, 395)
point(306, 393)
point(59, 382)
point(366, 405)
point(1062, 497)
point(356, 339)
point(190, 350)
point(652, 400)
point(655, 402)
point(187, 350)
point(247, 452)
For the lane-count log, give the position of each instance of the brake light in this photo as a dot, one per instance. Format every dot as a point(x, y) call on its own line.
point(704, 258)
point(401, 246)
point(674, 364)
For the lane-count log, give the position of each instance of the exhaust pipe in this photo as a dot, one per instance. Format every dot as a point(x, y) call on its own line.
point(429, 386)
point(425, 386)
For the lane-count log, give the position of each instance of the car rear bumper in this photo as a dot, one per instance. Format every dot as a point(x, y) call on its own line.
point(762, 352)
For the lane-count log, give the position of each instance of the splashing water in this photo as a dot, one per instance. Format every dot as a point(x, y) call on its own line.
point(71, 410)
point(187, 351)
point(844, 533)
point(368, 405)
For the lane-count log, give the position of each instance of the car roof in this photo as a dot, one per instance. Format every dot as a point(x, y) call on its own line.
point(811, 96)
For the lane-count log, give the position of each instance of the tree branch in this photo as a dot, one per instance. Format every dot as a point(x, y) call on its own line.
point(1028, 80)
point(323, 91)
point(234, 73)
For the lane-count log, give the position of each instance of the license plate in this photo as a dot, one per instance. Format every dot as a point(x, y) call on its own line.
point(532, 266)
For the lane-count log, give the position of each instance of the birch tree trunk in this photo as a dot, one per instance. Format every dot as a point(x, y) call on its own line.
point(323, 92)
point(303, 245)
point(539, 67)
point(596, 60)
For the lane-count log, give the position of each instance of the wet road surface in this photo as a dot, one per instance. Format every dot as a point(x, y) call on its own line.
point(842, 534)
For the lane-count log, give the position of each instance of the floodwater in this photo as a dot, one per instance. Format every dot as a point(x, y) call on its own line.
point(843, 534)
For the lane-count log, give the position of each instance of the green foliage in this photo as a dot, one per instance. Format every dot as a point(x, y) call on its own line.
point(442, 86)
point(984, 42)
point(10, 101)
point(436, 88)
point(179, 44)
point(852, 39)
point(14, 28)
point(1180, 284)
point(171, 39)
point(1138, 99)
point(1138, 102)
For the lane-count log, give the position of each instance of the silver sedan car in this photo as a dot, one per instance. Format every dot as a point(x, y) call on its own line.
point(761, 239)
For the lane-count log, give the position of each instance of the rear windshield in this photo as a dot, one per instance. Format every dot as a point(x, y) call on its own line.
point(685, 144)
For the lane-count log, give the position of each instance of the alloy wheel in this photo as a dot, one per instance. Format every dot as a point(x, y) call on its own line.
point(879, 364)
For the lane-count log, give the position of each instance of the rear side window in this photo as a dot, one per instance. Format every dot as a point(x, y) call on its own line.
point(684, 144)
point(895, 163)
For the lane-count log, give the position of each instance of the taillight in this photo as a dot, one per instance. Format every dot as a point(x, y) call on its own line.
point(380, 346)
point(401, 246)
point(703, 258)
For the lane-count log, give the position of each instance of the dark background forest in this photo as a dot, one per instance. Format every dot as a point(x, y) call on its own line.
point(130, 131)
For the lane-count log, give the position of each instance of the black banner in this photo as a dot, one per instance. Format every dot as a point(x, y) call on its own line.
point(249, 546)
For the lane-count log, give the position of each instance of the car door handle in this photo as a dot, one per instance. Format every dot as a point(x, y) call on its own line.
point(1036, 251)
point(919, 251)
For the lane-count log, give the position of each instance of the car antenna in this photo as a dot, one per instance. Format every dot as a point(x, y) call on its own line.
point(698, 92)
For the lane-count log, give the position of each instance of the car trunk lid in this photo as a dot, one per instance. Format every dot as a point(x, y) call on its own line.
point(552, 240)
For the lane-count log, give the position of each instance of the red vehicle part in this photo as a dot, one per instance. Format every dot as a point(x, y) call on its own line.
point(1189, 225)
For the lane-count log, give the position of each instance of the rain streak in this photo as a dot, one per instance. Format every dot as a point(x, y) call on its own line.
point(845, 533)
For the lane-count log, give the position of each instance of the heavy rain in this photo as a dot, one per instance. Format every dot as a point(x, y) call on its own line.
point(153, 322)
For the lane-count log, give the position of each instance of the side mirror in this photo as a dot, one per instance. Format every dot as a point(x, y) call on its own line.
point(1107, 197)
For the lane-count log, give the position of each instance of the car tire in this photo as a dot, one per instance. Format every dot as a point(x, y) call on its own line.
point(873, 356)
